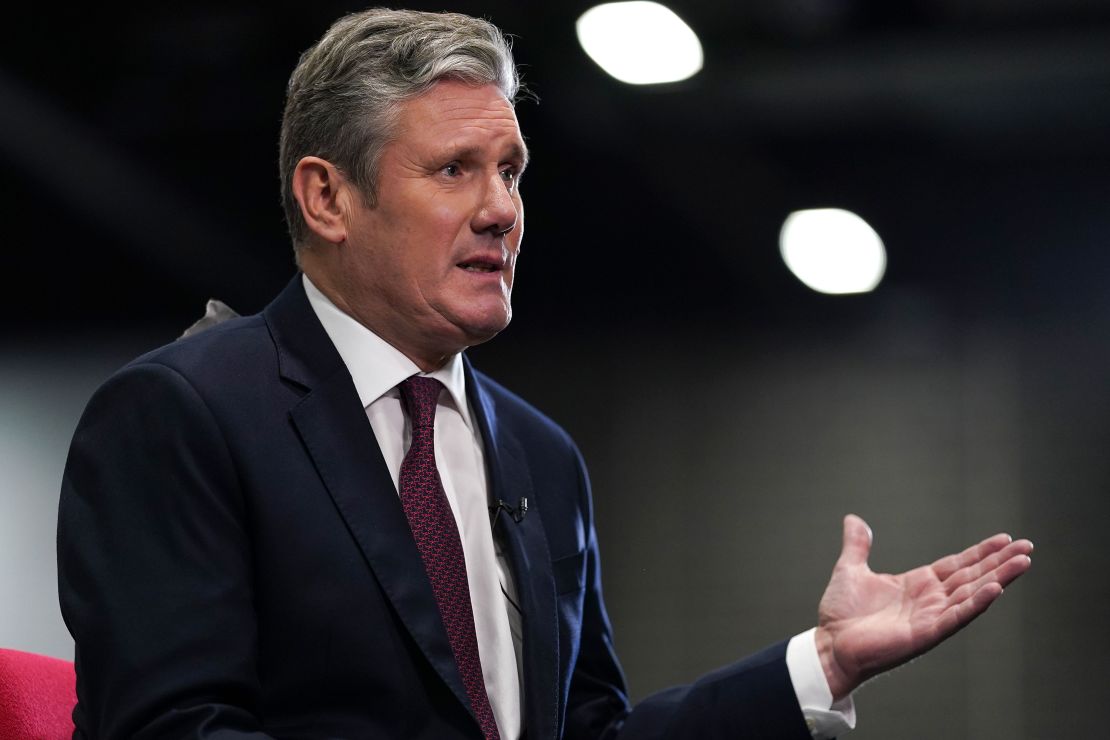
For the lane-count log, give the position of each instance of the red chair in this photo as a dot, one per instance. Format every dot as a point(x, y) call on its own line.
point(37, 696)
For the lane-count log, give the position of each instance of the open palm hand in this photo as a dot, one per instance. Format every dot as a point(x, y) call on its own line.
point(871, 622)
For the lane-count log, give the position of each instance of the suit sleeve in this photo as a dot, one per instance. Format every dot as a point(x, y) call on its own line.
point(752, 698)
point(155, 567)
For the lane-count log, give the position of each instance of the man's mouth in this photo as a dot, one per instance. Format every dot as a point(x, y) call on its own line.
point(479, 266)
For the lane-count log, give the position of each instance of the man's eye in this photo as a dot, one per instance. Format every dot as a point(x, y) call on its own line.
point(509, 176)
point(452, 169)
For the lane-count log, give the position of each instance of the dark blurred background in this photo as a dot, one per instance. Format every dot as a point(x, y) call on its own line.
point(967, 394)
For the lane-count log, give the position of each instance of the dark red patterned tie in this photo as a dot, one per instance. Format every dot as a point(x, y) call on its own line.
point(437, 538)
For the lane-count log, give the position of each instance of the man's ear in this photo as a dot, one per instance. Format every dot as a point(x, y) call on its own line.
point(316, 187)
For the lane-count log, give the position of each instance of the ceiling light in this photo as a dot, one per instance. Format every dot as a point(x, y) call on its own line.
point(832, 251)
point(641, 43)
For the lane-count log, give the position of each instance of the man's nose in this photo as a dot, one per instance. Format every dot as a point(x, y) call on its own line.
point(498, 211)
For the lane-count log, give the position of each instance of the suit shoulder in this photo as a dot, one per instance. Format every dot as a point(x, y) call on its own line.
point(222, 365)
point(220, 350)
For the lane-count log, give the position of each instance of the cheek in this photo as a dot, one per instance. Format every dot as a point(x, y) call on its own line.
point(447, 213)
point(442, 234)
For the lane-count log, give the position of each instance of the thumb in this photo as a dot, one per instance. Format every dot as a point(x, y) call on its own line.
point(857, 541)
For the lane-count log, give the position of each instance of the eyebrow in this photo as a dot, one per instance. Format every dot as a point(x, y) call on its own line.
point(522, 153)
point(516, 151)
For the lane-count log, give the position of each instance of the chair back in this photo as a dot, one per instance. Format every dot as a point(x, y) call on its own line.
point(37, 696)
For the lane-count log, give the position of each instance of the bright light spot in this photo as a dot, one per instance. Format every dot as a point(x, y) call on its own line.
point(832, 251)
point(641, 43)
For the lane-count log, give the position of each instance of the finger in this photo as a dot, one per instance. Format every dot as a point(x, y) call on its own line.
point(857, 541)
point(1002, 576)
point(977, 570)
point(959, 615)
point(946, 566)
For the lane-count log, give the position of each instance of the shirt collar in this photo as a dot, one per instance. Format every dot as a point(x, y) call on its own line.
point(376, 366)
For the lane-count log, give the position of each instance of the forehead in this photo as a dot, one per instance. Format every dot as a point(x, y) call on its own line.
point(454, 113)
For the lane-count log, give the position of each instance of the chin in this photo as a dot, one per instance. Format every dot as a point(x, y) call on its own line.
point(484, 334)
point(467, 323)
point(484, 330)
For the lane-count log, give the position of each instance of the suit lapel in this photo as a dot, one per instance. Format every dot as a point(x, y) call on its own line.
point(337, 436)
point(510, 481)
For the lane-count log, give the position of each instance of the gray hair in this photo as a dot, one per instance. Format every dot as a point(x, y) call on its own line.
point(342, 100)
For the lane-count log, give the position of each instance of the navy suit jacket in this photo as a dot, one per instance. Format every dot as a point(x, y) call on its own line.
point(234, 562)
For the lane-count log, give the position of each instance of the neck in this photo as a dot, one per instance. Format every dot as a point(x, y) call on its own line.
point(426, 358)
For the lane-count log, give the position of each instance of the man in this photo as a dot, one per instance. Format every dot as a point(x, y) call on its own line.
point(242, 554)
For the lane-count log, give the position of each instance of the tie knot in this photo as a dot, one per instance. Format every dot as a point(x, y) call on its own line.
point(419, 395)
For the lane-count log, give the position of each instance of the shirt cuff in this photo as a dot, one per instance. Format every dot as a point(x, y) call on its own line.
point(824, 718)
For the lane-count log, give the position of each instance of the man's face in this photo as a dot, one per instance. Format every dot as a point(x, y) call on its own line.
point(430, 266)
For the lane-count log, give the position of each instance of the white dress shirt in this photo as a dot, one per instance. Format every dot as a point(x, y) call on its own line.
point(377, 368)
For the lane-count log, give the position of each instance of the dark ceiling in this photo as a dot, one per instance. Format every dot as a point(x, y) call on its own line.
point(139, 149)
